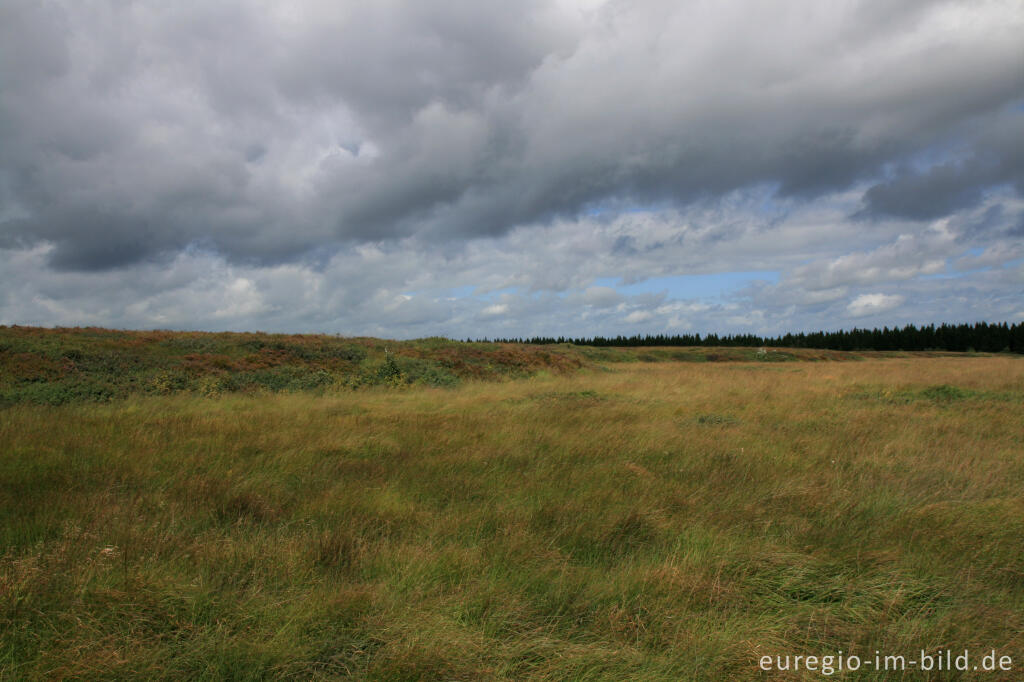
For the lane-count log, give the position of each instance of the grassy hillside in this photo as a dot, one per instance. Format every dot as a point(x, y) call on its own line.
point(639, 520)
point(59, 366)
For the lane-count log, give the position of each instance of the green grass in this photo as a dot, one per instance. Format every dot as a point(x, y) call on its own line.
point(670, 520)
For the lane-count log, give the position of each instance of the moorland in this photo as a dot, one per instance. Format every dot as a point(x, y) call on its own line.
point(253, 506)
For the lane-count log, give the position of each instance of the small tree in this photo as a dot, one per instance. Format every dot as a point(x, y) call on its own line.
point(390, 373)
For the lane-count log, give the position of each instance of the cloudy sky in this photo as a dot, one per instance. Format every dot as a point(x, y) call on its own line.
point(407, 168)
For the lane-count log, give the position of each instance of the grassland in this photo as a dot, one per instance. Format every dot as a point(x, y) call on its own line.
point(589, 519)
point(62, 366)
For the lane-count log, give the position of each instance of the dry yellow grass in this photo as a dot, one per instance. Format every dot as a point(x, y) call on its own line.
point(654, 521)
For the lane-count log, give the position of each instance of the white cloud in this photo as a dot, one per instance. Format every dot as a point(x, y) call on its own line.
point(639, 316)
point(871, 304)
point(495, 309)
point(995, 255)
point(601, 297)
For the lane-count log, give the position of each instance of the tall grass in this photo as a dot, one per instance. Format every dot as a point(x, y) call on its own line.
point(652, 521)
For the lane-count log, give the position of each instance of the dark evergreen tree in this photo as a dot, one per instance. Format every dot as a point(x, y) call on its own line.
point(980, 336)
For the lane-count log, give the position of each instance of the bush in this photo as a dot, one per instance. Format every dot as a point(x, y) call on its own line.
point(425, 372)
point(389, 374)
point(62, 392)
point(286, 378)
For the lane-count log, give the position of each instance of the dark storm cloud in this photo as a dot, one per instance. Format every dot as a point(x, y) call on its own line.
point(132, 131)
point(932, 194)
point(108, 240)
point(997, 159)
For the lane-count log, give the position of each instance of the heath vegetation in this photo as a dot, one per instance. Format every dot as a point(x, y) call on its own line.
point(204, 512)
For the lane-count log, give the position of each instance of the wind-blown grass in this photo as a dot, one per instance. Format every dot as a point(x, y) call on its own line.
point(673, 520)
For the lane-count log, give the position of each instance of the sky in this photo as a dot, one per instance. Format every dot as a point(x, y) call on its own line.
point(468, 168)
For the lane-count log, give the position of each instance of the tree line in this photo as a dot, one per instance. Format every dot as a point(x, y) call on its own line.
point(980, 336)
